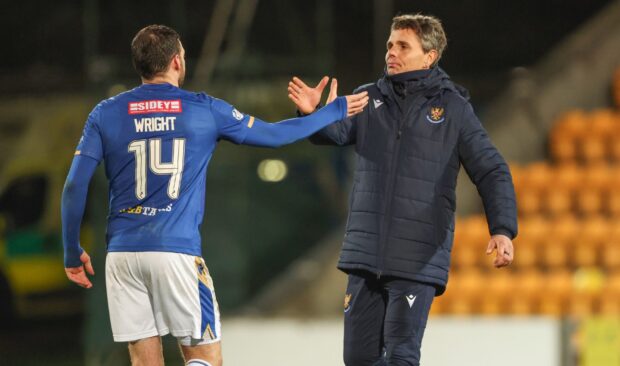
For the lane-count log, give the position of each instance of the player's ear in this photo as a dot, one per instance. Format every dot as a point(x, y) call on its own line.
point(176, 62)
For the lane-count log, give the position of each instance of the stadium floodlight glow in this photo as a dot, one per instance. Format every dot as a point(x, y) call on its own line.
point(272, 170)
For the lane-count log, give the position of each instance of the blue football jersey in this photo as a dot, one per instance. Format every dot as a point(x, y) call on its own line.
point(156, 141)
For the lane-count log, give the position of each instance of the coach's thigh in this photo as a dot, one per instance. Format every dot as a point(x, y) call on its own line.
point(363, 318)
point(405, 321)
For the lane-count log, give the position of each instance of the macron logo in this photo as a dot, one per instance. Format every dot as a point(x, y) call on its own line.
point(410, 299)
point(155, 106)
point(378, 103)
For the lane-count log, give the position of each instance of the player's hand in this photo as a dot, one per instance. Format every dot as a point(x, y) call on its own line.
point(78, 274)
point(355, 103)
point(306, 98)
point(504, 250)
point(333, 91)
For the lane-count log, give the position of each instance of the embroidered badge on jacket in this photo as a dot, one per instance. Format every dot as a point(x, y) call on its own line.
point(436, 115)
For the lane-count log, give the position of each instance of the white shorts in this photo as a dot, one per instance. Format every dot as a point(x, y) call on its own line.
point(157, 293)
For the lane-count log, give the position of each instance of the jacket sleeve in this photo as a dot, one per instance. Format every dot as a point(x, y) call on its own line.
point(488, 170)
point(341, 134)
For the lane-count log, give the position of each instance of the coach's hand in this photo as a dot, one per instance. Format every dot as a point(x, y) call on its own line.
point(78, 274)
point(505, 251)
point(356, 103)
point(306, 98)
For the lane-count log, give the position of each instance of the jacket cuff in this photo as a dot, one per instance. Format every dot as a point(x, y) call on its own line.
point(503, 232)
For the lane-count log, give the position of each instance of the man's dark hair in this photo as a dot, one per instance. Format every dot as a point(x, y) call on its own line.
point(153, 48)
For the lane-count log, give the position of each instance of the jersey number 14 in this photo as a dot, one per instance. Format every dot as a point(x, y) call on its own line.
point(173, 168)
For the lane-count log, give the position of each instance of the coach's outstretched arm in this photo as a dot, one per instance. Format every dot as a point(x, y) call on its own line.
point(288, 131)
point(77, 261)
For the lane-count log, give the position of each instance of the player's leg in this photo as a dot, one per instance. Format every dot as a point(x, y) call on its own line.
point(146, 352)
point(129, 304)
point(203, 355)
point(184, 299)
point(405, 321)
point(364, 308)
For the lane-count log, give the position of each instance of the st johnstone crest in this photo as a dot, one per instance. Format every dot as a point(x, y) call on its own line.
point(436, 115)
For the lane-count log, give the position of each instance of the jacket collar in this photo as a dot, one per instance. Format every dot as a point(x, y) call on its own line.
point(430, 83)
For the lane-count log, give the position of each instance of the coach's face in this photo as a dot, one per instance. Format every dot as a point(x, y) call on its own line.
point(405, 53)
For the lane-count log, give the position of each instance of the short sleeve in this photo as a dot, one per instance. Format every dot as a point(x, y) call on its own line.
point(232, 125)
point(90, 143)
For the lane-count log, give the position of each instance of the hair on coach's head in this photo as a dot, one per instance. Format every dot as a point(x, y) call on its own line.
point(152, 49)
point(428, 29)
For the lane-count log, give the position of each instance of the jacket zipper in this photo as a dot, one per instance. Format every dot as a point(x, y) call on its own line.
point(391, 185)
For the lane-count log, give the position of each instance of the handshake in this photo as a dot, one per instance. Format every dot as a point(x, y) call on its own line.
point(307, 99)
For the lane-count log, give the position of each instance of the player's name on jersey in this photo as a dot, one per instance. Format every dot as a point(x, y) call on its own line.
point(154, 124)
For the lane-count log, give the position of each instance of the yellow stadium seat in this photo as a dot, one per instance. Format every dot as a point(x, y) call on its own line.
point(594, 229)
point(533, 228)
point(610, 255)
point(612, 203)
point(589, 201)
point(602, 122)
point(558, 284)
point(598, 177)
point(571, 123)
point(558, 202)
point(527, 253)
point(465, 255)
point(581, 306)
point(528, 202)
point(592, 149)
point(538, 176)
point(563, 148)
point(609, 305)
point(491, 305)
point(564, 229)
point(568, 177)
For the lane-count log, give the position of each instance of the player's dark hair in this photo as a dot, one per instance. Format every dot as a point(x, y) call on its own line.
point(428, 29)
point(152, 49)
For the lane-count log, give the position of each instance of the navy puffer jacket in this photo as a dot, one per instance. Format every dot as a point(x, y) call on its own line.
point(410, 143)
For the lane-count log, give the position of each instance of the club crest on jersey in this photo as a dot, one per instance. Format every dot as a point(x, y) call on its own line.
point(347, 302)
point(436, 115)
point(238, 115)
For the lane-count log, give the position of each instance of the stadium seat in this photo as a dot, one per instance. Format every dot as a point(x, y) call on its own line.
point(612, 202)
point(555, 256)
point(584, 254)
point(568, 177)
point(558, 202)
point(572, 123)
point(528, 202)
point(465, 256)
point(527, 253)
point(609, 305)
point(564, 229)
point(610, 254)
point(589, 201)
point(594, 229)
point(558, 284)
point(592, 149)
point(563, 148)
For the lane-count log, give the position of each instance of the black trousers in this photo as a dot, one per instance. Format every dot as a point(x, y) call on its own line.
point(384, 320)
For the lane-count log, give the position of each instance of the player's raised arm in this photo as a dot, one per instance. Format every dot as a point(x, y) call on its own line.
point(291, 130)
point(249, 130)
